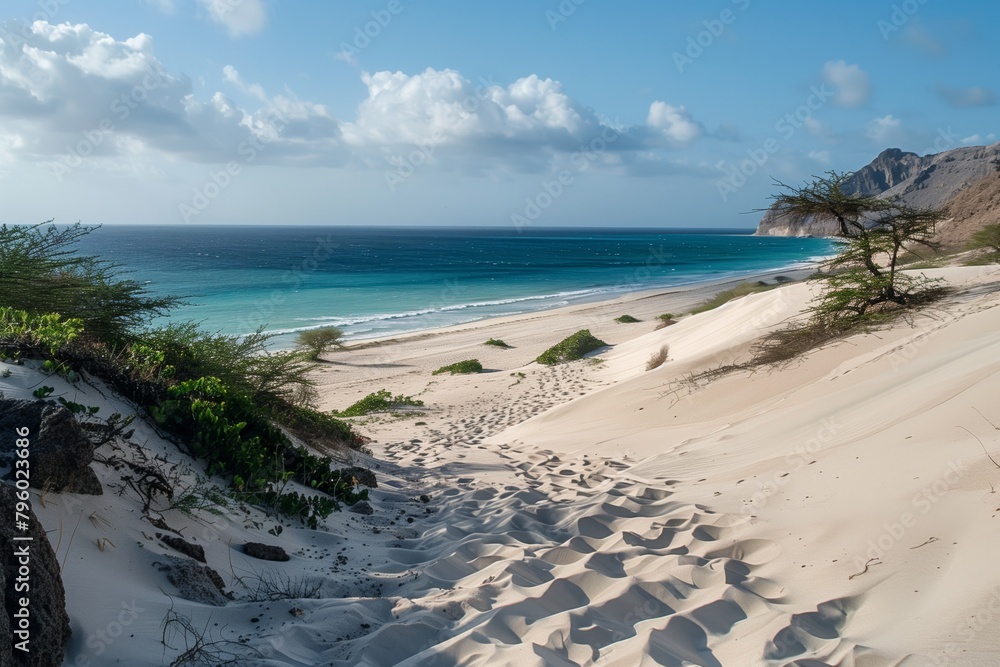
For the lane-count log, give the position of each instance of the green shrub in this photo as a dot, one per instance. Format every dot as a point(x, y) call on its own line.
point(725, 296)
point(496, 342)
point(380, 401)
point(45, 333)
point(315, 342)
point(40, 272)
point(987, 237)
point(626, 319)
point(461, 367)
point(571, 348)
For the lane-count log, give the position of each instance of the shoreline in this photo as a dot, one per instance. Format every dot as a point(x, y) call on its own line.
point(701, 290)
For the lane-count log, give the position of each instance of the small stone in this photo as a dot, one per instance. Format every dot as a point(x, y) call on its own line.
point(265, 551)
point(362, 507)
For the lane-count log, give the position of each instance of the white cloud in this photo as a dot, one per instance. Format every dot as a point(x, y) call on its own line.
point(77, 92)
point(884, 130)
point(977, 138)
point(851, 82)
point(818, 128)
point(239, 17)
point(961, 98)
point(820, 156)
point(167, 7)
point(444, 108)
point(919, 37)
point(675, 122)
point(72, 90)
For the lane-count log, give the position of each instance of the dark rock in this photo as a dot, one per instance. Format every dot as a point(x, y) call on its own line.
point(49, 622)
point(265, 551)
point(195, 551)
point(197, 583)
point(424, 498)
point(362, 507)
point(362, 476)
point(60, 452)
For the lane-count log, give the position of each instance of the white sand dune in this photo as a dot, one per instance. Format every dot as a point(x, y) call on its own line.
point(829, 513)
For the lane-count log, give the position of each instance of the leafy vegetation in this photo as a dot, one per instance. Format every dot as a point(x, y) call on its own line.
point(987, 237)
point(725, 296)
point(877, 232)
point(570, 348)
point(496, 342)
point(626, 319)
point(380, 401)
point(224, 398)
point(315, 342)
point(461, 368)
point(41, 273)
point(665, 320)
point(46, 332)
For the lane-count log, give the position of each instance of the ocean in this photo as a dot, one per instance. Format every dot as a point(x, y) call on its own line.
point(378, 281)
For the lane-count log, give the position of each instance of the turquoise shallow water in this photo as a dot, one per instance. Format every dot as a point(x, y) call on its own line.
point(383, 281)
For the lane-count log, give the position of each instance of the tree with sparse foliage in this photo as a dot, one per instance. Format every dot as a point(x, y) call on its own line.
point(987, 237)
point(315, 342)
point(876, 232)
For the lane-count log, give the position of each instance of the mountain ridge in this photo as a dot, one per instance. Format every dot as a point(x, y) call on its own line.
point(929, 181)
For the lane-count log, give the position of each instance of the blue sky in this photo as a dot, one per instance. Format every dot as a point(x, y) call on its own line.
point(551, 112)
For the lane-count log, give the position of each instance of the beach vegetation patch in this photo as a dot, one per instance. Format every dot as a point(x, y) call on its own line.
point(665, 320)
point(228, 401)
point(657, 358)
point(380, 401)
point(496, 342)
point(315, 342)
point(626, 319)
point(571, 348)
point(725, 296)
point(466, 367)
point(987, 237)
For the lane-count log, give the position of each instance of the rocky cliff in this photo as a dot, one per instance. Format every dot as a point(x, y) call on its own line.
point(930, 181)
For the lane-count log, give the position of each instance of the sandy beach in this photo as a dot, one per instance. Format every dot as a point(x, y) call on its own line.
point(837, 511)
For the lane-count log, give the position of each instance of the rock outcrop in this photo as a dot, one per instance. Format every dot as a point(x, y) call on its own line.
point(48, 623)
point(931, 181)
point(60, 452)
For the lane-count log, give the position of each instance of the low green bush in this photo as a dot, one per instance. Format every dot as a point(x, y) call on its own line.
point(462, 367)
point(626, 319)
point(496, 342)
point(45, 332)
point(380, 401)
point(571, 348)
point(725, 296)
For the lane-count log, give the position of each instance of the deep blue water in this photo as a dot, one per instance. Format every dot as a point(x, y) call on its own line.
point(380, 281)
